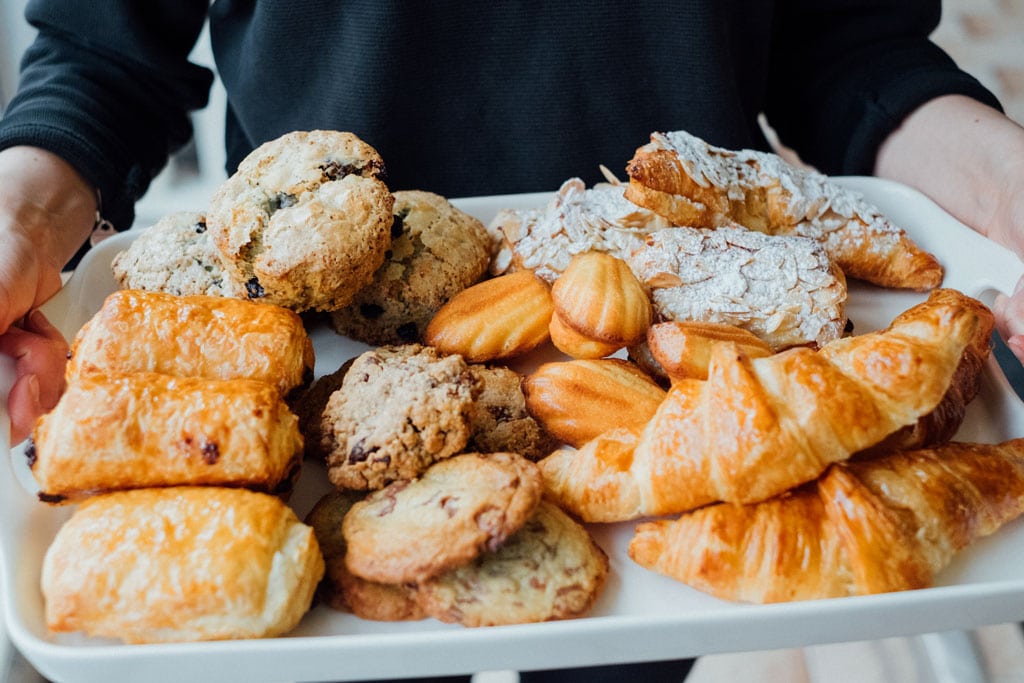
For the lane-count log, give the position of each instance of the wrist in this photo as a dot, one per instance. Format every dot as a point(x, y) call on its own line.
point(44, 199)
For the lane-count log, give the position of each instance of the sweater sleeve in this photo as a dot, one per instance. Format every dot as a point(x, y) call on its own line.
point(109, 88)
point(845, 73)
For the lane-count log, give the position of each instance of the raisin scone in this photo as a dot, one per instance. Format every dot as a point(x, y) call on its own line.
point(305, 221)
point(436, 251)
point(175, 255)
point(550, 569)
point(399, 410)
point(415, 529)
point(340, 588)
point(575, 221)
point(783, 289)
point(499, 419)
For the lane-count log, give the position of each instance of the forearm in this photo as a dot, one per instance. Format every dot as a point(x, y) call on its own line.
point(969, 159)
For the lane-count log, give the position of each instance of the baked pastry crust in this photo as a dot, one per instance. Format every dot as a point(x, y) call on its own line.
point(111, 432)
point(758, 427)
point(783, 289)
point(194, 336)
point(693, 183)
point(869, 527)
point(181, 564)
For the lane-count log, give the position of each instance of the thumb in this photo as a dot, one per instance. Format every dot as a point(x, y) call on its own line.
point(24, 407)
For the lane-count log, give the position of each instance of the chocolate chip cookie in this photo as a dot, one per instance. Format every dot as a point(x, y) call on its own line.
point(305, 220)
point(436, 251)
point(340, 589)
point(399, 410)
point(550, 569)
point(499, 419)
point(415, 529)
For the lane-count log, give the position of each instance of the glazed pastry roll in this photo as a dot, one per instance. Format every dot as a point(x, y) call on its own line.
point(111, 432)
point(181, 564)
point(194, 336)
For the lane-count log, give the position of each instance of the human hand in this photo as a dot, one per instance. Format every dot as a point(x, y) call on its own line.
point(40, 352)
point(46, 211)
point(1009, 312)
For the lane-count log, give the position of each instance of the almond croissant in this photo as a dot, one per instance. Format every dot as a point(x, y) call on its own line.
point(689, 182)
point(757, 427)
point(882, 525)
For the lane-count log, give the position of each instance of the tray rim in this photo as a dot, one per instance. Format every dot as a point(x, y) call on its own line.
point(595, 639)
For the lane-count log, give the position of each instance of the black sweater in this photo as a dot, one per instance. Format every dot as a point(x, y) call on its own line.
point(469, 98)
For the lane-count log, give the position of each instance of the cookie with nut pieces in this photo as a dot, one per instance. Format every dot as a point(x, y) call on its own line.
point(399, 410)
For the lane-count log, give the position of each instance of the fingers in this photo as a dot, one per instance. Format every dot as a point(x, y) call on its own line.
point(1009, 314)
point(40, 354)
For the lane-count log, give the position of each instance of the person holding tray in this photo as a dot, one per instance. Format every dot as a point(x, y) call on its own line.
point(468, 99)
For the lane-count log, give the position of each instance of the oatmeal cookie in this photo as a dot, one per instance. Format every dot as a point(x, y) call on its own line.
point(176, 256)
point(309, 408)
point(499, 420)
point(305, 220)
point(550, 569)
point(436, 251)
point(399, 410)
point(414, 529)
point(340, 589)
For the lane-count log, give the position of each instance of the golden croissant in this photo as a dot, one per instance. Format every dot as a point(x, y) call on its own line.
point(760, 426)
point(875, 526)
point(690, 182)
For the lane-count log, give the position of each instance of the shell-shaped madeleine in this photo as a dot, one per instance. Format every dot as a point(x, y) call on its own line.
point(499, 318)
point(572, 343)
point(600, 297)
point(579, 399)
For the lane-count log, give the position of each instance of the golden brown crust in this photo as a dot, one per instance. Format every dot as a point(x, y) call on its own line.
point(194, 336)
point(577, 400)
point(500, 318)
point(682, 349)
point(757, 427)
point(181, 564)
point(869, 527)
point(599, 297)
point(575, 345)
point(111, 432)
point(692, 183)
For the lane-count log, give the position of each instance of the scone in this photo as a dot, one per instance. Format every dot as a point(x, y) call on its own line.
point(436, 251)
point(174, 255)
point(181, 564)
point(340, 588)
point(550, 569)
point(460, 507)
point(305, 221)
point(499, 420)
point(399, 410)
point(783, 289)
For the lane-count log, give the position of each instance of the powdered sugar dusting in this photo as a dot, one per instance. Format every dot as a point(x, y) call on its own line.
point(783, 289)
point(576, 220)
point(810, 199)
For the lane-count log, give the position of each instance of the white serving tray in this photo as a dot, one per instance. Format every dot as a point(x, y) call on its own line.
point(640, 615)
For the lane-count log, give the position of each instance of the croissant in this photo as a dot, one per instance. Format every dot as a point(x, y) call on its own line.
point(757, 427)
point(882, 525)
point(689, 182)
